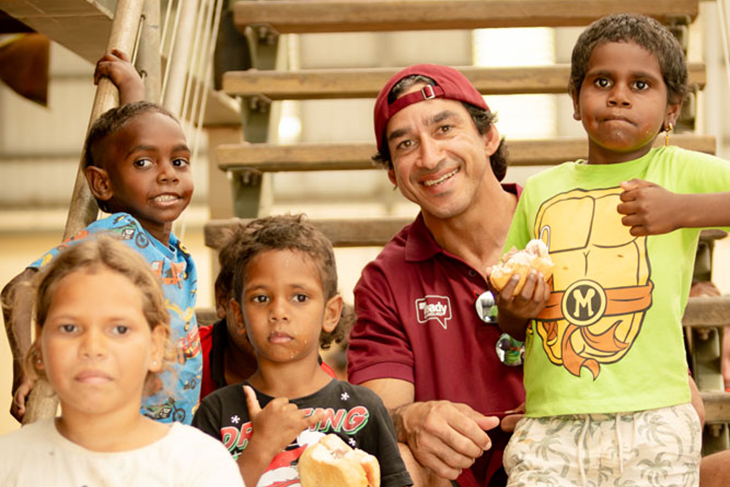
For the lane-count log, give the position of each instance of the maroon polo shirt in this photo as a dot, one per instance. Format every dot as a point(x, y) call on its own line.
point(416, 321)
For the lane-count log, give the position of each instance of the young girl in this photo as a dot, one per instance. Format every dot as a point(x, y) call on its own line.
point(102, 333)
point(608, 399)
point(286, 296)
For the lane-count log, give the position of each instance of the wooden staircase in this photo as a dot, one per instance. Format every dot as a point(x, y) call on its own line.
point(264, 21)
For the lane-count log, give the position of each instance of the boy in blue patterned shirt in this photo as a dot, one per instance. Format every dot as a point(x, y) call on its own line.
point(138, 169)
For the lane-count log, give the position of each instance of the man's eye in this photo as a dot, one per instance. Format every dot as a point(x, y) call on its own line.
point(444, 129)
point(142, 163)
point(404, 145)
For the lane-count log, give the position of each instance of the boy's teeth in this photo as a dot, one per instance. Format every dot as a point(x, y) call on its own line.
point(441, 179)
point(165, 197)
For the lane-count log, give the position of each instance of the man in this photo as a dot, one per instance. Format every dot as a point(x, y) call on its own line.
point(422, 340)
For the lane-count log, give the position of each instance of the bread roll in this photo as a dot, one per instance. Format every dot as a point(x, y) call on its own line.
point(332, 463)
point(535, 256)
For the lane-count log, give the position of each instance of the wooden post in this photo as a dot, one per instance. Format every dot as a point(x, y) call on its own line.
point(148, 52)
point(42, 402)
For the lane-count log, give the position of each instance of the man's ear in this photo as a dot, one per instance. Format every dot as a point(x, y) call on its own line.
point(491, 140)
point(391, 176)
point(332, 313)
point(576, 103)
point(99, 183)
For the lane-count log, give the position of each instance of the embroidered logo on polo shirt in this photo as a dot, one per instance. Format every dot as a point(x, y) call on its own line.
point(433, 308)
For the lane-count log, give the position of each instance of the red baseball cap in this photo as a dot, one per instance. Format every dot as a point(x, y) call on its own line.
point(450, 84)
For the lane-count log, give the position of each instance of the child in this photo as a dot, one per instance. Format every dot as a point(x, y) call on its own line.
point(605, 370)
point(286, 296)
point(228, 357)
point(99, 349)
point(138, 169)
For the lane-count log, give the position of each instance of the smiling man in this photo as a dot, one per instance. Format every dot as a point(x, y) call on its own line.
point(420, 341)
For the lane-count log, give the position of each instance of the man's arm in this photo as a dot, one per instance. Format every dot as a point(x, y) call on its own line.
point(444, 437)
point(17, 300)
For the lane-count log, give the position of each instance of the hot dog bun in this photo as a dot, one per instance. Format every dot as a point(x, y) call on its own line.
point(535, 256)
point(332, 463)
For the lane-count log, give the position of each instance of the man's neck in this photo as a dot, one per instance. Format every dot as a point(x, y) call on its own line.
point(477, 235)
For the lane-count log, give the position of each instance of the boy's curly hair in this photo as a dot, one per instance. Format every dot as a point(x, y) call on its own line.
point(290, 232)
point(643, 31)
point(109, 123)
point(483, 119)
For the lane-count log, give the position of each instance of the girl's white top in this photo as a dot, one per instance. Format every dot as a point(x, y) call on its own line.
point(37, 455)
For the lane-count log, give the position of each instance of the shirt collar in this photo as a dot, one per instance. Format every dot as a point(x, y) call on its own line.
point(421, 246)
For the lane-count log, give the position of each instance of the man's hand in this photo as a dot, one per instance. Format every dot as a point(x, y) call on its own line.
point(115, 65)
point(443, 436)
point(516, 309)
point(649, 208)
point(20, 396)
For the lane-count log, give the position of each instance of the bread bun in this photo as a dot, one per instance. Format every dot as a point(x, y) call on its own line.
point(535, 256)
point(332, 463)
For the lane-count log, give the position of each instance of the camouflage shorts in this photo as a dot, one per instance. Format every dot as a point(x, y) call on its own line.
point(659, 447)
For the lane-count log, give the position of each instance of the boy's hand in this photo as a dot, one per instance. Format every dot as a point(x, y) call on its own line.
point(17, 406)
point(116, 66)
point(515, 310)
point(511, 418)
point(649, 208)
point(278, 424)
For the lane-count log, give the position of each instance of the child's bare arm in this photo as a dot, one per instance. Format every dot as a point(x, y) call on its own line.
point(17, 300)
point(274, 428)
point(515, 310)
point(116, 66)
point(653, 210)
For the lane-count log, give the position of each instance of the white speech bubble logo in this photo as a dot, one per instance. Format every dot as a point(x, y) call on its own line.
point(433, 308)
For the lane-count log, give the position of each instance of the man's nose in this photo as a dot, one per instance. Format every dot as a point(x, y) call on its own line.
point(431, 153)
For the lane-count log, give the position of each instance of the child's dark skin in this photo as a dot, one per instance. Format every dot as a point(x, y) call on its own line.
point(144, 171)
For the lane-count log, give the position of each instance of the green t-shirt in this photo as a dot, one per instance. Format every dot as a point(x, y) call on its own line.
point(610, 339)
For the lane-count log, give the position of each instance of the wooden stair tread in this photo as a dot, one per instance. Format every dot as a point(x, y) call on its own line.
point(312, 84)
point(343, 232)
point(321, 157)
point(363, 232)
point(292, 16)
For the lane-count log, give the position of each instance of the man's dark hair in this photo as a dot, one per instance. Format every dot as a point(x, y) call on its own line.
point(290, 232)
point(483, 120)
point(643, 31)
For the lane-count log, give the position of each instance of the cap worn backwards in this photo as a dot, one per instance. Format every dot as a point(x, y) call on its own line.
point(450, 85)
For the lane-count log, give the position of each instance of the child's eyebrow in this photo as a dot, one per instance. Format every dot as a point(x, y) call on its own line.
point(152, 148)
